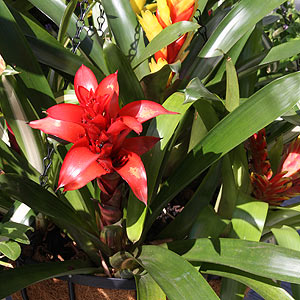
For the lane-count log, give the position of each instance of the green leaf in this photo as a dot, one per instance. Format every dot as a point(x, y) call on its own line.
point(208, 224)
point(240, 124)
point(265, 287)
point(65, 21)
point(154, 84)
point(18, 111)
point(15, 231)
point(254, 257)
point(37, 197)
point(234, 53)
point(229, 190)
point(276, 53)
point(147, 288)
point(239, 20)
point(16, 52)
point(124, 26)
point(176, 277)
point(12, 162)
point(10, 249)
point(196, 90)
point(164, 38)
point(130, 88)
point(180, 226)
point(232, 86)
point(162, 126)
point(55, 9)
point(135, 218)
point(24, 276)
point(49, 51)
point(287, 237)
point(249, 218)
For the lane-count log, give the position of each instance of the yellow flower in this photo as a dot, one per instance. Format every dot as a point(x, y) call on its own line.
point(137, 5)
point(156, 66)
point(164, 11)
point(150, 24)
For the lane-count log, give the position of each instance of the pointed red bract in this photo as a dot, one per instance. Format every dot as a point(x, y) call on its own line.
point(85, 78)
point(99, 128)
point(143, 110)
point(67, 131)
point(80, 166)
point(140, 144)
point(133, 172)
point(66, 112)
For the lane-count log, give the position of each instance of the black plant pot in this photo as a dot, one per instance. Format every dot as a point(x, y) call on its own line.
point(79, 287)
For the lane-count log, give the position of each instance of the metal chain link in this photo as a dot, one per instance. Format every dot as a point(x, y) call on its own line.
point(101, 20)
point(84, 7)
point(47, 162)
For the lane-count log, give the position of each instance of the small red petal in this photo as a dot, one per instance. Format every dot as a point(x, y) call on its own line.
point(132, 123)
point(84, 77)
point(80, 166)
point(68, 131)
point(116, 127)
point(113, 106)
point(107, 88)
point(140, 144)
point(144, 110)
point(160, 54)
point(66, 112)
point(174, 48)
point(133, 172)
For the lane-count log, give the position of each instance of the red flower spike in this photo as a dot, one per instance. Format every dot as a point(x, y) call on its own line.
point(133, 172)
point(99, 128)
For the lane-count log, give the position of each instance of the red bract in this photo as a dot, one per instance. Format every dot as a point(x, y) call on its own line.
point(99, 128)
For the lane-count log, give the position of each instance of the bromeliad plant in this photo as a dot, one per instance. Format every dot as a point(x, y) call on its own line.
point(199, 212)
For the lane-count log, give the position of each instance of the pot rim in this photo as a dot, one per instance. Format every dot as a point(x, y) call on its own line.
point(100, 282)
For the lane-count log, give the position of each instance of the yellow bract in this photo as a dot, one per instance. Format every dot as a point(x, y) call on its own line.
point(164, 11)
point(156, 66)
point(150, 24)
point(137, 5)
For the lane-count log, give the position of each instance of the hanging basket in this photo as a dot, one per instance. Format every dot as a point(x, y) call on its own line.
point(79, 287)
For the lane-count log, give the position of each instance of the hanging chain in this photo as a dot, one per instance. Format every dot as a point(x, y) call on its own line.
point(47, 162)
point(101, 20)
point(84, 7)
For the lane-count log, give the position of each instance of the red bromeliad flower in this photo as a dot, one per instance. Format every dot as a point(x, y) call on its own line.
point(285, 183)
point(98, 128)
